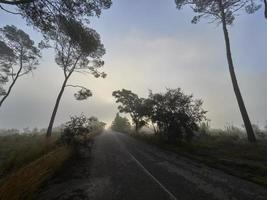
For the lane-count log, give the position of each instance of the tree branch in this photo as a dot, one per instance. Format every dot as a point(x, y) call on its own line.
point(76, 86)
point(16, 2)
point(14, 13)
point(74, 66)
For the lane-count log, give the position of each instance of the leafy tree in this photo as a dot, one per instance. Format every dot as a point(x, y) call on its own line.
point(175, 113)
point(95, 125)
point(18, 57)
point(79, 54)
point(224, 12)
point(121, 124)
point(43, 14)
point(130, 103)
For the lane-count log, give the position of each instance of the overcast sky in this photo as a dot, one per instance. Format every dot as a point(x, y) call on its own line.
point(151, 45)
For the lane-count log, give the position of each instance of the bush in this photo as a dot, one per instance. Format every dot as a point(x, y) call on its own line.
point(81, 129)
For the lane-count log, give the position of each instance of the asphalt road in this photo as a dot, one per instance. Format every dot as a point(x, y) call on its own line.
point(123, 168)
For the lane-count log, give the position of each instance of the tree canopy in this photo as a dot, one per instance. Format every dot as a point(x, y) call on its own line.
point(130, 103)
point(18, 57)
point(44, 14)
point(121, 124)
point(78, 50)
point(175, 113)
point(210, 8)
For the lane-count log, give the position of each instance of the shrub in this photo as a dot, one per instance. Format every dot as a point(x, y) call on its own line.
point(80, 129)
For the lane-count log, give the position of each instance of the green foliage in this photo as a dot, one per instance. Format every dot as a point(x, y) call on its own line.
point(131, 104)
point(83, 94)
point(18, 57)
point(176, 114)
point(20, 47)
point(78, 49)
point(80, 128)
point(211, 9)
point(17, 150)
point(25, 182)
point(43, 14)
point(121, 124)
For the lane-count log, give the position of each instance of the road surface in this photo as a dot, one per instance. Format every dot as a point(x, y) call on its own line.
point(123, 168)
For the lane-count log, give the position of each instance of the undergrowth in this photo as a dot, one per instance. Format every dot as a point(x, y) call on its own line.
point(17, 150)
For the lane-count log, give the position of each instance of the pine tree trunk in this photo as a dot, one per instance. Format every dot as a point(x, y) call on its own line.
point(136, 127)
point(265, 8)
point(10, 87)
point(13, 82)
point(52, 119)
point(242, 108)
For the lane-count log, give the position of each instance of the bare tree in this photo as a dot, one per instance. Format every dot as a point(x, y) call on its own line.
point(18, 57)
point(224, 12)
point(78, 50)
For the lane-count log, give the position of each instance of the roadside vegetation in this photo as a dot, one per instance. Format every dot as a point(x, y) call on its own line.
point(17, 150)
point(121, 124)
point(23, 183)
point(29, 159)
point(178, 123)
point(227, 150)
point(178, 120)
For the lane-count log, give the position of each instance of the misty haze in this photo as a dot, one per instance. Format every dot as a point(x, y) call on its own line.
point(145, 99)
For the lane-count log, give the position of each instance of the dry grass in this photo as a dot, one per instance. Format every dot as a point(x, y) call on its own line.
point(23, 183)
point(17, 150)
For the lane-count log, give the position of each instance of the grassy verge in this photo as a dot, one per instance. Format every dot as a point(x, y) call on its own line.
point(17, 150)
point(236, 157)
point(23, 183)
point(28, 160)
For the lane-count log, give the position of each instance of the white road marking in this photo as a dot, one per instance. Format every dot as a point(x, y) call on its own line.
point(151, 176)
point(172, 197)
